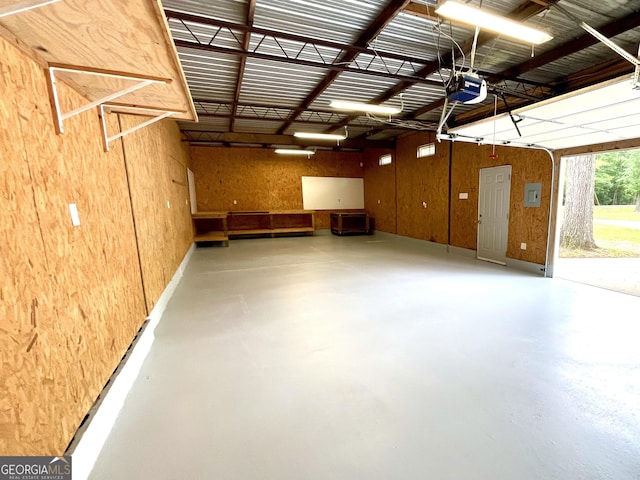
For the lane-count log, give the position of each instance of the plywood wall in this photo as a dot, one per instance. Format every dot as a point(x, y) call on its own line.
point(156, 163)
point(71, 298)
point(235, 179)
point(526, 225)
point(423, 186)
point(380, 190)
point(416, 180)
point(261, 180)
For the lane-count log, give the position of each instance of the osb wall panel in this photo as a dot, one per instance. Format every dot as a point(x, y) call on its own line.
point(422, 180)
point(70, 297)
point(236, 179)
point(380, 190)
point(528, 225)
point(157, 162)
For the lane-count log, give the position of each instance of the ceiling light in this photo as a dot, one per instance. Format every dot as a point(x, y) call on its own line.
point(488, 21)
point(320, 136)
point(364, 107)
point(290, 151)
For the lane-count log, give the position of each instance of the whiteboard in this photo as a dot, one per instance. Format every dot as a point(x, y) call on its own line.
point(332, 193)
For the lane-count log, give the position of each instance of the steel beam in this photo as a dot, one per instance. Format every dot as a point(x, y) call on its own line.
point(268, 140)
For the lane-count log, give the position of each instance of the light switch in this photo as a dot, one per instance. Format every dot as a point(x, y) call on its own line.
point(523, 246)
point(75, 218)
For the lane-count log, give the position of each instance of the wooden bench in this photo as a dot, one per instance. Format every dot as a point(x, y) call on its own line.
point(350, 223)
point(220, 226)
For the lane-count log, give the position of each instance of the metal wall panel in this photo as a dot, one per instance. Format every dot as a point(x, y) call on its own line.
point(335, 20)
point(276, 83)
point(228, 10)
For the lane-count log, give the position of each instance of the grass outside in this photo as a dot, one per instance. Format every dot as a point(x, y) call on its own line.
point(616, 212)
point(614, 241)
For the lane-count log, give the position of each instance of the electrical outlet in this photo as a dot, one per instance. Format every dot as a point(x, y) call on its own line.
point(378, 202)
point(75, 218)
point(168, 204)
point(235, 202)
point(523, 246)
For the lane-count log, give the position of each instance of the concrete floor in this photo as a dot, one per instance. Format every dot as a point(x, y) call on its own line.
point(379, 358)
point(619, 274)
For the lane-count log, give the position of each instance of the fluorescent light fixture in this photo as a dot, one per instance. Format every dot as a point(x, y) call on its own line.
point(291, 151)
point(364, 107)
point(489, 21)
point(320, 136)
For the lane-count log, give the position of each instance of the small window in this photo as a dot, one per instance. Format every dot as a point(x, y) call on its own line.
point(385, 159)
point(426, 150)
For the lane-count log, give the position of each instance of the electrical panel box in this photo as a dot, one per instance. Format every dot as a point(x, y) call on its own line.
point(532, 192)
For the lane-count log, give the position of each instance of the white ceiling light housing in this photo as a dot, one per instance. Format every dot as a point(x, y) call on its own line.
point(291, 151)
point(320, 136)
point(364, 107)
point(487, 21)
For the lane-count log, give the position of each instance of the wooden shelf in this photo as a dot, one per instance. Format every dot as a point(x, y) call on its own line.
point(291, 219)
point(293, 230)
point(211, 237)
point(271, 222)
point(350, 223)
point(209, 215)
point(250, 231)
point(268, 231)
point(220, 226)
point(210, 227)
point(130, 37)
point(249, 223)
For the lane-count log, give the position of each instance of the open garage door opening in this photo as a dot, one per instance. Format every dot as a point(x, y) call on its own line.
point(599, 220)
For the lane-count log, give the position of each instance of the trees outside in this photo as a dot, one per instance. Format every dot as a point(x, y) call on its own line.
point(577, 226)
point(634, 184)
point(611, 180)
point(618, 178)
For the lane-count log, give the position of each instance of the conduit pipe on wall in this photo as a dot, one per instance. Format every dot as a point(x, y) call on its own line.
point(551, 196)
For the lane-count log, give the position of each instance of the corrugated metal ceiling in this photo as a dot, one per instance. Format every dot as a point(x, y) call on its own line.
point(336, 20)
point(301, 54)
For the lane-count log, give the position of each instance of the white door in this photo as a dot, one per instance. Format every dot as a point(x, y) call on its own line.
point(493, 213)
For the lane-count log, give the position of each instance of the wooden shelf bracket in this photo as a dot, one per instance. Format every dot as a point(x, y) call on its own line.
point(141, 81)
point(23, 6)
point(156, 115)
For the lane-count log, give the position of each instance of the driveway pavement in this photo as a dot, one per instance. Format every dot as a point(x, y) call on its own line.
point(620, 274)
point(619, 223)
